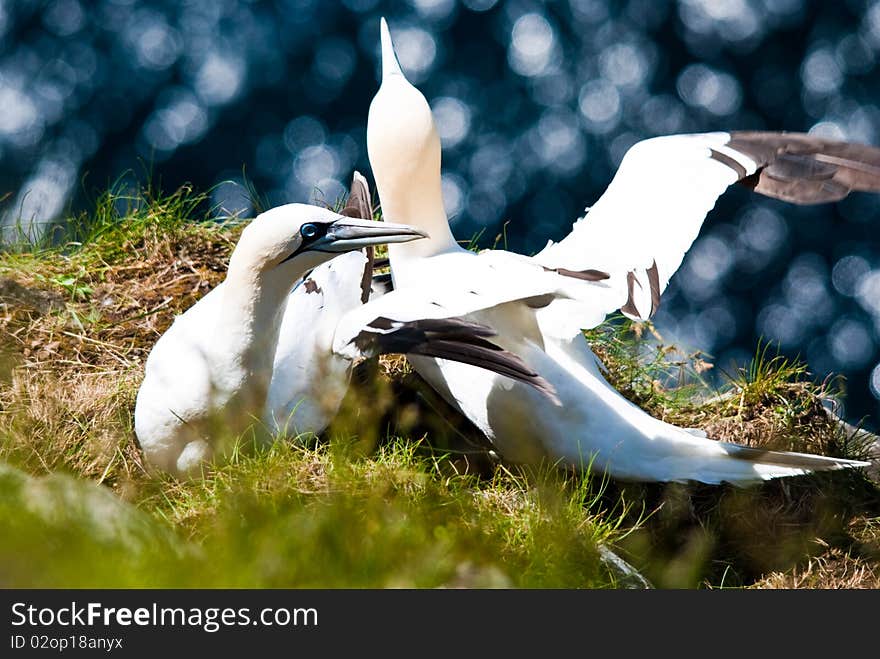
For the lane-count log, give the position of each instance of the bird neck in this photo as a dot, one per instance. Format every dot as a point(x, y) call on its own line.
point(247, 333)
point(418, 203)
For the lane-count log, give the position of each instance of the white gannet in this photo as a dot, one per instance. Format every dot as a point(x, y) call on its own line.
point(619, 256)
point(273, 352)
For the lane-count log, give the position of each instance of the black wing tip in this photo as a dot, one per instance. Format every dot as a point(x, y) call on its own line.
point(589, 274)
point(805, 169)
point(490, 357)
point(630, 309)
point(455, 339)
point(543, 386)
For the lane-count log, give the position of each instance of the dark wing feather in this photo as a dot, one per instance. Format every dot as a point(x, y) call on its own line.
point(448, 338)
point(805, 169)
point(360, 206)
point(639, 230)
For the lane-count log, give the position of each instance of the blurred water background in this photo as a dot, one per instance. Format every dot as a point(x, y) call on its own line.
point(536, 102)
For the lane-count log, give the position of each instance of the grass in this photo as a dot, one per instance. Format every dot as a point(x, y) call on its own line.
point(400, 491)
point(307, 517)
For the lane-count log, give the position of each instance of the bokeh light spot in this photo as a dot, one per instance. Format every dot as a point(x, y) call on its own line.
point(532, 44)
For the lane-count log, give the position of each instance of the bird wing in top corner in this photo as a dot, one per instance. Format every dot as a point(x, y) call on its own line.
point(641, 227)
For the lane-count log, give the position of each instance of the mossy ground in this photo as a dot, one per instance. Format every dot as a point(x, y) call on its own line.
point(400, 491)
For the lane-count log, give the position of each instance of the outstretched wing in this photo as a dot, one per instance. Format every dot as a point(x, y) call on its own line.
point(641, 227)
point(460, 283)
point(405, 323)
point(455, 339)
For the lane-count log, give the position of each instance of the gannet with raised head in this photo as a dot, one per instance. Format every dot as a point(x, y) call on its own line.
point(619, 256)
point(271, 351)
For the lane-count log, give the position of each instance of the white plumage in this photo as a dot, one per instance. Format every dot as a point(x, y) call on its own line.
point(619, 256)
point(270, 351)
point(212, 374)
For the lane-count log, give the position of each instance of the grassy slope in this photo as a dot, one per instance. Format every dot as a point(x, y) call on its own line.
point(399, 496)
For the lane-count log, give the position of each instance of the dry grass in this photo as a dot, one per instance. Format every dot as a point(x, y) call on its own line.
point(833, 569)
point(76, 330)
point(738, 536)
point(77, 323)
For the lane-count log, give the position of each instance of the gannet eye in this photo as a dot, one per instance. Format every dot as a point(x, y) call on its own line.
point(308, 231)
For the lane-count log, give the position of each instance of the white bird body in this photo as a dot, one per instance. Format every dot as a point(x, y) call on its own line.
point(591, 425)
point(309, 378)
point(218, 362)
point(189, 374)
point(270, 351)
point(619, 257)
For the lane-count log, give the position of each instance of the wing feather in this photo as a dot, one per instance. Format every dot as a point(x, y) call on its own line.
point(642, 226)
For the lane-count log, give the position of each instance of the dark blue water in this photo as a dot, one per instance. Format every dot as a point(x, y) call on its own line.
point(536, 103)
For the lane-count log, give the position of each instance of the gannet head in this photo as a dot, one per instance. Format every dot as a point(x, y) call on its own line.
point(299, 237)
point(402, 142)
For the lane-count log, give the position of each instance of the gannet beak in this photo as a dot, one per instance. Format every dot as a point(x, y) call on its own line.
point(349, 233)
point(390, 65)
